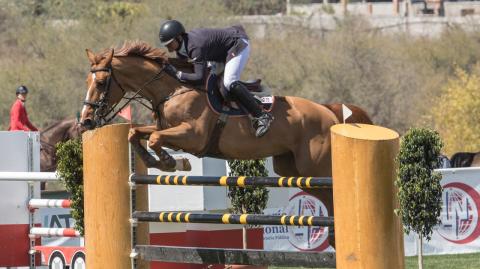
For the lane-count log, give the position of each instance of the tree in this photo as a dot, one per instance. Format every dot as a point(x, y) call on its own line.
point(252, 200)
point(420, 192)
point(252, 7)
point(457, 112)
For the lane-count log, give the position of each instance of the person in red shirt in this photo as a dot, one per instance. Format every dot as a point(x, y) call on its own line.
point(18, 114)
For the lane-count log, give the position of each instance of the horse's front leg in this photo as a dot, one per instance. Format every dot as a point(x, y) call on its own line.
point(181, 136)
point(135, 135)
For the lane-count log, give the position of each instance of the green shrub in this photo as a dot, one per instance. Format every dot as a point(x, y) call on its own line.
point(70, 171)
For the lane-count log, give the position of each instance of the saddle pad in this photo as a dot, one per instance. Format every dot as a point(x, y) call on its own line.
point(217, 102)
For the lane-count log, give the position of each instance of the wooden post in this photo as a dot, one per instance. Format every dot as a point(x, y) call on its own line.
point(368, 233)
point(344, 7)
point(369, 8)
point(107, 197)
point(396, 7)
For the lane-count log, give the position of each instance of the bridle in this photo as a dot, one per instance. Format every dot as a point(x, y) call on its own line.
point(101, 106)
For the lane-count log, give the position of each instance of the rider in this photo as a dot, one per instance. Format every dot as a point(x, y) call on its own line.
point(225, 45)
point(18, 114)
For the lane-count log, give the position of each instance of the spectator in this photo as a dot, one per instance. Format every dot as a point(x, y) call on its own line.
point(18, 114)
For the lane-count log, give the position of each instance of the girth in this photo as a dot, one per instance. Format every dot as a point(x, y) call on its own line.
point(212, 148)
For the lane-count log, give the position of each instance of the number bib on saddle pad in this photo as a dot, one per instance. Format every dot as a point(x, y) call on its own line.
point(218, 103)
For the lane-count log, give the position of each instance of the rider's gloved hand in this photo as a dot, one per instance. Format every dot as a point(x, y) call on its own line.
point(170, 70)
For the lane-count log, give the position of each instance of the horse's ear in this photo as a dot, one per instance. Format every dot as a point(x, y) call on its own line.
point(91, 57)
point(108, 58)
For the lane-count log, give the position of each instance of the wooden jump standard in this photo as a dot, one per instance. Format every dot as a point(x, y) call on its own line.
point(252, 219)
point(299, 182)
point(368, 233)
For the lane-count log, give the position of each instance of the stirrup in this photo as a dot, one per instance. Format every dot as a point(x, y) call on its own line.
point(262, 124)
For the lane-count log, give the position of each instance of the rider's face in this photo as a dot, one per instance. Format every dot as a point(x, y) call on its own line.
point(22, 96)
point(173, 46)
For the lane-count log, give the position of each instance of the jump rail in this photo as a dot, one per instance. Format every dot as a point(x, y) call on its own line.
point(58, 232)
point(49, 203)
point(197, 255)
point(252, 219)
point(28, 176)
point(296, 182)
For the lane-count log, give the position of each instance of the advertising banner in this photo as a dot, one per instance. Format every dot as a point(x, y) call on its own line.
point(458, 231)
point(300, 238)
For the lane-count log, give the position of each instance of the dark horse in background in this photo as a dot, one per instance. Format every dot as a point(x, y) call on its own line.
point(465, 159)
point(59, 131)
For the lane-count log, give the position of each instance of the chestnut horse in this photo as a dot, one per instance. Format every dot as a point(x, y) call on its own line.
point(298, 139)
point(59, 131)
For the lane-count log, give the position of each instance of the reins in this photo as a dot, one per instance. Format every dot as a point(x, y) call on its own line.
point(103, 100)
point(100, 105)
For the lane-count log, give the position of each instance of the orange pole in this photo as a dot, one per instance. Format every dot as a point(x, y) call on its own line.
point(368, 233)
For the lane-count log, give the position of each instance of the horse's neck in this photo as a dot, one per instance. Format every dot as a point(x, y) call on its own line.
point(185, 104)
point(56, 133)
point(137, 74)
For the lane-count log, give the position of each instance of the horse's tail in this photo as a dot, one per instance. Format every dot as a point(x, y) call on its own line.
point(462, 159)
point(358, 115)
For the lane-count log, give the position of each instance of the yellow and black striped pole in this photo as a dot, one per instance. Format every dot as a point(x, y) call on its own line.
point(241, 181)
point(253, 219)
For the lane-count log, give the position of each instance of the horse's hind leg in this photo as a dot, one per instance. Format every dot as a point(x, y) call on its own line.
point(285, 165)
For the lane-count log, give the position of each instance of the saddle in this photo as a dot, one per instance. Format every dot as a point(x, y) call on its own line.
point(221, 102)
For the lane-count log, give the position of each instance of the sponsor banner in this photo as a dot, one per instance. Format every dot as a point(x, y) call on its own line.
point(300, 238)
point(458, 232)
point(58, 218)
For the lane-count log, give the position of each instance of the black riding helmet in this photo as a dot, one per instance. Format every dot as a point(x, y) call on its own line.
point(170, 30)
point(21, 90)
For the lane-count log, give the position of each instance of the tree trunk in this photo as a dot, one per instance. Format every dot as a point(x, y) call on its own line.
point(420, 252)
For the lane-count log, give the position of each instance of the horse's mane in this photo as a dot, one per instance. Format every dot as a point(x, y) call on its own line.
point(51, 125)
point(139, 48)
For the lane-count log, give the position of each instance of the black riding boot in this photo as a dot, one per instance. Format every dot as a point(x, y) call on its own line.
point(261, 120)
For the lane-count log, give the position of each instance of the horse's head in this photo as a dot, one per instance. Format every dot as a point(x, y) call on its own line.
point(136, 67)
point(101, 93)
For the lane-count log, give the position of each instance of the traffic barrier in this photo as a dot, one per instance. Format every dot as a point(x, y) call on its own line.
point(242, 181)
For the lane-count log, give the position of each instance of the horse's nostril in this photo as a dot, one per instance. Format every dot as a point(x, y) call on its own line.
point(88, 124)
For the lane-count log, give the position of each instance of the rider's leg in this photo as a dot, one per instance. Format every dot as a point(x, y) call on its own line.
point(231, 80)
point(261, 120)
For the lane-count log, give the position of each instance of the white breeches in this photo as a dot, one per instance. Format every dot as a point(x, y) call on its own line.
point(234, 67)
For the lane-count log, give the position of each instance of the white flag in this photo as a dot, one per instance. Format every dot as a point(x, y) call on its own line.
point(346, 112)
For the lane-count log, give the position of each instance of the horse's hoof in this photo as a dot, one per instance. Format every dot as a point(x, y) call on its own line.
point(183, 164)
